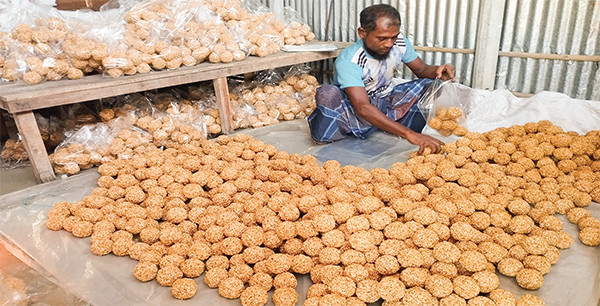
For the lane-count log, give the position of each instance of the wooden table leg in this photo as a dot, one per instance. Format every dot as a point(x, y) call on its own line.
point(222, 97)
point(34, 145)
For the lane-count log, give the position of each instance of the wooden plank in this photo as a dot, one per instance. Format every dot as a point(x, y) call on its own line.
point(223, 105)
point(546, 56)
point(489, 32)
point(34, 145)
point(559, 57)
point(73, 5)
point(18, 97)
point(445, 50)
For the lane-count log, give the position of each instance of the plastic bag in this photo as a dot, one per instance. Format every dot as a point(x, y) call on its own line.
point(442, 108)
point(51, 130)
point(74, 116)
point(296, 31)
point(82, 149)
point(13, 154)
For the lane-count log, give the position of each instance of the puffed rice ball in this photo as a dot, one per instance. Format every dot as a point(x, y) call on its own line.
point(231, 288)
point(192, 267)
point(285, 279)
point(367, 290)
point(530, 279)
point(279, 263)
point(465, 286)
point(343, 285)
point(285, 297)
point(439, 286)
point(261, 279)
point(387, 265)
point(414, 276)
point(590, 236)
point(487, 280)
point(410, 258)
point(419, 296)
point(502, 297)
point(530, 300)
point(213, 277)
point(184, 288)
point(452, 300)
point(565, 240)
point(473, 261)
point(145, 272)
point(446, 252)
point(168, 275)
point(254, 296)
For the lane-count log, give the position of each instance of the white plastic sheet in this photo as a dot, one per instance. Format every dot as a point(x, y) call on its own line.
point(108, 280)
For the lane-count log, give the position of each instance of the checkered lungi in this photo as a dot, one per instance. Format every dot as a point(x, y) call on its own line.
point(335, 118)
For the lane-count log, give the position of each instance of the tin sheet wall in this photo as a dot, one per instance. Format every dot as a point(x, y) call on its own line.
point(530, 26)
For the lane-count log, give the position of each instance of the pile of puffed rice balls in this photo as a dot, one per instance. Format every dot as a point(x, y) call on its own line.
point(445, 121)
point(429, 231)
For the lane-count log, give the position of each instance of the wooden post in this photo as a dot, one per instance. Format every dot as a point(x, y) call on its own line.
point(222, 97)
point(489, 31)
point(34, 145)
point(277, 8)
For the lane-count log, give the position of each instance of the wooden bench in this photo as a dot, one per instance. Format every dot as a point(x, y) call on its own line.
point(21, 100)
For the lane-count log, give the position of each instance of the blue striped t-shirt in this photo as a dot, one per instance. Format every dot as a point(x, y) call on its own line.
point(354, 67)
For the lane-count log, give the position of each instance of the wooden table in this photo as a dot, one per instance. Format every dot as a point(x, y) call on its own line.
point(21, 100)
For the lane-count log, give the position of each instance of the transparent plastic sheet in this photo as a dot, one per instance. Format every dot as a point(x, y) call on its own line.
point(22, 285)
point(571, 282)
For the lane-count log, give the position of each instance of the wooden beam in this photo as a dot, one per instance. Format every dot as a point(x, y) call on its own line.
point(489, 31)
point(546, 56)
point(559, 57)
point(34, 145)
point(444, 50)
point(225, 111)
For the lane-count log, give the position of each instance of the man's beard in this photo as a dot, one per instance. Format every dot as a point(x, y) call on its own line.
point(376, 55)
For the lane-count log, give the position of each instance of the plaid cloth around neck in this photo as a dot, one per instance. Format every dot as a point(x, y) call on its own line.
point(327, 124)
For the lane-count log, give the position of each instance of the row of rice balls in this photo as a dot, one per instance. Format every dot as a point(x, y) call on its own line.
point(293, 238)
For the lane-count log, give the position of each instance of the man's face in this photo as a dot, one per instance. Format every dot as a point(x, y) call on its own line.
point(379, 42)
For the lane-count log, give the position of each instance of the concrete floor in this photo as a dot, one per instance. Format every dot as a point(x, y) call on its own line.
point(16, 179)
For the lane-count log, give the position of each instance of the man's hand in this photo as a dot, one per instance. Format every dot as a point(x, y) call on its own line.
point(445, 72)
point(424, 141)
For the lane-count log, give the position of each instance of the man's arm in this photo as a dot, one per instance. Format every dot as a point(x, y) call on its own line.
point(422, 70)
point(360, 100)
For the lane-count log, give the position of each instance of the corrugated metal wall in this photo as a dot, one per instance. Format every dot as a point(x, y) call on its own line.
point(555, 27)
point(532, 26)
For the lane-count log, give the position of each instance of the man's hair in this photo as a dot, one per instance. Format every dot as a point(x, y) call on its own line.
point(370, 15)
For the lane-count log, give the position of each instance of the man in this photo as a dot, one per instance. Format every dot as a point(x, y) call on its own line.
point(364, 96)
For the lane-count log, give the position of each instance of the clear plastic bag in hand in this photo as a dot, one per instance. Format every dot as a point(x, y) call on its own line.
point(443, 108)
